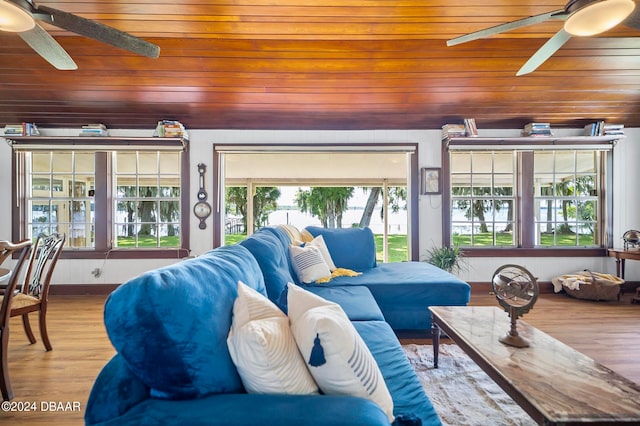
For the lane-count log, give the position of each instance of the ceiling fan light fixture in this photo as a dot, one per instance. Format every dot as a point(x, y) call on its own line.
point(14, 19)
point(598, 17)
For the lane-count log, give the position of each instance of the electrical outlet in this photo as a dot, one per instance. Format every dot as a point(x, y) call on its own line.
point(96, 272)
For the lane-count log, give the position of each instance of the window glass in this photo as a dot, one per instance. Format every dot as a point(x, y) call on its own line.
point(566, 198)
point(323, 187)
point(59, 198)
point(482, 198)
point(147, 203)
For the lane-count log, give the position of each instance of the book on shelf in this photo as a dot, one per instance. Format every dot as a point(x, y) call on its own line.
point(593, 129)
point(470, 127)
point(170, 129)
point(97, 129)
point(537, 129)
point(23, 129)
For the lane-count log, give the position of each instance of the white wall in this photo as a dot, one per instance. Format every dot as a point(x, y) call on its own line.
point(626, 200)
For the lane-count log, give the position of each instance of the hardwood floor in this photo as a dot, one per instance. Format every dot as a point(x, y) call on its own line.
point(608, 332)
point(65, 374)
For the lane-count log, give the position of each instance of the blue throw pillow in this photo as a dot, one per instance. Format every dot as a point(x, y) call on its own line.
point(351, 248)
point(171, 324)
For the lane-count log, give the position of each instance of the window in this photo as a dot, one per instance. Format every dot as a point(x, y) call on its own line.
point(535, 198)
point(567, 205)
point(105, 201)
point(323, 185)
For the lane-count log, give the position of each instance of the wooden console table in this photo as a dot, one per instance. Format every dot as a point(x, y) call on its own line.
point(621, 255)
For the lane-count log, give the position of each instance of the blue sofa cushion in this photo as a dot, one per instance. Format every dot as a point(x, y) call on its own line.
point(409, 398)
point(255, 410)
point(351, 248)
point(356, 301)
point(270, 247)
point(404, 291)
point(171, 324)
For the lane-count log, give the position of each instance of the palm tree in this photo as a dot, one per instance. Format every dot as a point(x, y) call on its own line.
point(397, 195)
point(265, 201)
point(326, 203)
point(477, 207)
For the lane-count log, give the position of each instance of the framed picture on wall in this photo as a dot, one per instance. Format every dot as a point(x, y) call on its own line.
point(431, 181)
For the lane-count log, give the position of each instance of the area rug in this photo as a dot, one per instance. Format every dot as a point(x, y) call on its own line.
point(461, 393)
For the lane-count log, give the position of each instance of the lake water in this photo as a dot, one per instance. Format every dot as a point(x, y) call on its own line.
point(288, 213)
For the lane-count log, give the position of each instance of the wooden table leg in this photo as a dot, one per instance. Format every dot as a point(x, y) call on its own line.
point(435, 338)
point(618, 267)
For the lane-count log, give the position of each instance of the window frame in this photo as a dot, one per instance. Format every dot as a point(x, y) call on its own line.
point(103, 214)
point(525, 219)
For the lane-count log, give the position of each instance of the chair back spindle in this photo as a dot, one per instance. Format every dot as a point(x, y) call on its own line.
point(44, 256)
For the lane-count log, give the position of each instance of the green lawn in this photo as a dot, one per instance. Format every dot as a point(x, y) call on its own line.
point(231, 239)
point(148, 241)
point(397, 247)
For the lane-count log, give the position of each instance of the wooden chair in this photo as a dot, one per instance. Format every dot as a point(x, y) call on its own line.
point(5, 308)
point(35, 290)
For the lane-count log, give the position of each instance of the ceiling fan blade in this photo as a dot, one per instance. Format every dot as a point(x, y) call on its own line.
point(633, 20)
point(555, 15)
point(549, 48)
point(47, 47)
point(100, 32)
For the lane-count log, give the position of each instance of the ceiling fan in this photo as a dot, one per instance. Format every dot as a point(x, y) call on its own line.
point(20, 16)
point(581, 18)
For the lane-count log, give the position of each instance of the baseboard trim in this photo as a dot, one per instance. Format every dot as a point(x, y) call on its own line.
point(82, 289)
point(546, 287)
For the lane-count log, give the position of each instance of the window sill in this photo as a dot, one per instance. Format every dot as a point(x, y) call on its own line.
point(534, 252)
point(126, 254)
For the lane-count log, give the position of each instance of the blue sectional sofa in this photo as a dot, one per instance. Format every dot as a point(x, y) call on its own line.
point(403, 291)
point(169, 327)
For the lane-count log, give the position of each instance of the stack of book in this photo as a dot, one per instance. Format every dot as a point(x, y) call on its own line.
point(170, 129)
point(600, 128)
point(537, 129)
point(94, 130)
point(453, 131)
point(24, 129)
point(613, 129)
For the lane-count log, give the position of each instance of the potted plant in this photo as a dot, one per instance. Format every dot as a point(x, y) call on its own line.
point(451, 259)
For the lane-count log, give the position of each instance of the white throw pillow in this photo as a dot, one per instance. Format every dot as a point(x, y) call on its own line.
point(336, 355)
point(263, 349)
point(308, 263)
point(319, 242)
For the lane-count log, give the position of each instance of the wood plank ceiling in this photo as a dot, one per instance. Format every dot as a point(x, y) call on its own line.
point(321, 64)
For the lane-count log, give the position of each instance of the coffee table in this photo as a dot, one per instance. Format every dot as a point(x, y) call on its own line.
point(552, 382)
